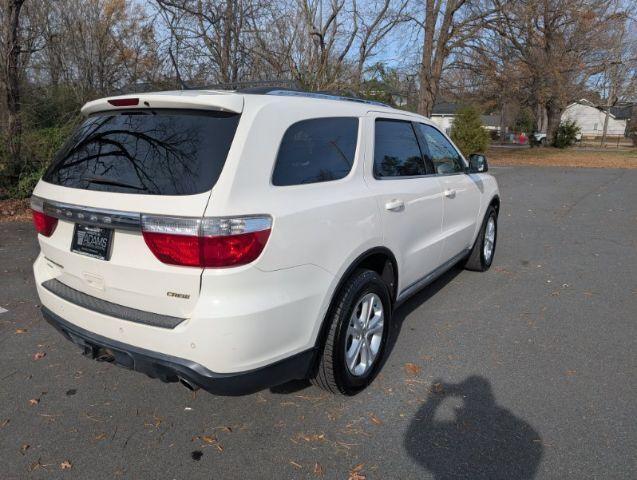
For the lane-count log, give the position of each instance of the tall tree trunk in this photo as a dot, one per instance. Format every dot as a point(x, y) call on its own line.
point(427, 95)
point(610, 101)
point(502, 123)
point(12, 82)
point(554, 115)
point(541, 117)
point(632, 125)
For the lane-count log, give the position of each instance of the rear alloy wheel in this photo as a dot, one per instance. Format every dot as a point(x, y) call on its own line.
point(481, 256)
point(358, 328)
point(364, 334)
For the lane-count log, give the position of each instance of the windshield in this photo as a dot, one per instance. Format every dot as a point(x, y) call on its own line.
point(160, 152)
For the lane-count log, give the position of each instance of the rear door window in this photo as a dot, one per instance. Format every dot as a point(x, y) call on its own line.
point(160, 152)
point(396, 150)
point(316, 150)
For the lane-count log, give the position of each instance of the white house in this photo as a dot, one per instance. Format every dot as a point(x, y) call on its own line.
point(590, 119)
point(444, 114)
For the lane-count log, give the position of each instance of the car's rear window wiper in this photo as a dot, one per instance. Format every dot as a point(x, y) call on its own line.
point(110, 181)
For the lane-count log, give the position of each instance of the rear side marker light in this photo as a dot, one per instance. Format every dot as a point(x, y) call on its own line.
point(44, 224)
point(124, 102)
point(212, 242)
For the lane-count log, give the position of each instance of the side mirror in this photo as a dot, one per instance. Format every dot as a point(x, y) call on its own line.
point(478, 163)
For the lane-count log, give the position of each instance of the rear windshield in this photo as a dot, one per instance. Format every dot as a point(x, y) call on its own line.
point(160, 152)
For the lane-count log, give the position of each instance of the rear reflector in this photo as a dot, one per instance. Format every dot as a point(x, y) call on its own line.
point(124, 102)
point(208, 242)
point(44, 224)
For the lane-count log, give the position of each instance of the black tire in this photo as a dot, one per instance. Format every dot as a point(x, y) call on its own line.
point(476, 261)
point(331, 372)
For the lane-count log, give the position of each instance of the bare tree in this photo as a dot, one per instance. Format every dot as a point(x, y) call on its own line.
point(329, 40)
point(11, 75)
point(560, 44)
point(446, 27)
point(619, 70)
point(216, 35)
point(373, 29)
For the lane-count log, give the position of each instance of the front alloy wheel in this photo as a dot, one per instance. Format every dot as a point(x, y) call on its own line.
point(481, 256)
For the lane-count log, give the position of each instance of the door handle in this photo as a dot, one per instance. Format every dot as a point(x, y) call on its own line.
point(450, 193)
point(395, 205)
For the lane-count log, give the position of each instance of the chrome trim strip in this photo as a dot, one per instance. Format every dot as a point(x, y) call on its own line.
point(100, 217)
point(430, 277)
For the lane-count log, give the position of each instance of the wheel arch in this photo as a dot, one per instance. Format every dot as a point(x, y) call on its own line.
point(495, 203)
point(379, 259)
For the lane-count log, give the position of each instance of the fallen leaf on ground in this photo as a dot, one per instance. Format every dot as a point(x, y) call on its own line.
point(571, 373)
point(438, 388)
point(315, 437)
point(101, 436)
point(24, 447)
point(20, 330)
point(296, 465)
point(37, 466)
point(412, 368)
point(66, 465)
point(375, 420)
point(318, 469)
point(39, 355)
point(355, 473)
point(209, 439)
point(34, 401)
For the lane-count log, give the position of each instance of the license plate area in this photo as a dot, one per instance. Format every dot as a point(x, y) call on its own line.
point(92, 241)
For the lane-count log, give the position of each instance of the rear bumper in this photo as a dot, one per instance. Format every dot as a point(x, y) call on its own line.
point(243, 320)
point(171, 369)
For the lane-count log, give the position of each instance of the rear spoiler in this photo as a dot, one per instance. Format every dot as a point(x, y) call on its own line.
point(185, 99)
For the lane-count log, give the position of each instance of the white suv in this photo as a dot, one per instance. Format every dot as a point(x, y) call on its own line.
point(238, 240)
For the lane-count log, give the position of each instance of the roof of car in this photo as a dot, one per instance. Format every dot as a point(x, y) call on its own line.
point(230, 100)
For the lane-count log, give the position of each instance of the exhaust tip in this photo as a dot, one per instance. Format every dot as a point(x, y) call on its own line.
point(189, 385)
point(105, 355)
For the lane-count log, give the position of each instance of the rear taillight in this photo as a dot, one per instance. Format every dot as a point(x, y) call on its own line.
point(44, 224)
point(208, 242)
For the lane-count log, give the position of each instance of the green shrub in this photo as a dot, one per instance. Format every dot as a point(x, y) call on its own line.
point(524, 121)
point(566, 134)
point(38, 149)
point(468, 133)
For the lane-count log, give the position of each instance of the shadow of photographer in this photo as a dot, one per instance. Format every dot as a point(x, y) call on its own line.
point(461, 432)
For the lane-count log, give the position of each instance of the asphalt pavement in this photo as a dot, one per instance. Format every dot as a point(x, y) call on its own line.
point(526, 371)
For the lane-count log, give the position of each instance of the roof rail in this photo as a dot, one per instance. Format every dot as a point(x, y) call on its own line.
point(249, 85)
point(324, 96)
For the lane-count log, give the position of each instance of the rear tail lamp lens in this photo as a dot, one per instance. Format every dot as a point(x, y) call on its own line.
point(208, 242)
point(44, 224)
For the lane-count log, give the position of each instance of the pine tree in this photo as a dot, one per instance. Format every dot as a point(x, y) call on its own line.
point(468, 133)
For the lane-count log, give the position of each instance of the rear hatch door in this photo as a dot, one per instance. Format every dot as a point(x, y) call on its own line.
point(118, 165)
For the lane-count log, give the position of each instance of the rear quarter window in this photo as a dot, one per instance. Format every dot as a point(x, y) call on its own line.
point(159, 152)
point(316, 150)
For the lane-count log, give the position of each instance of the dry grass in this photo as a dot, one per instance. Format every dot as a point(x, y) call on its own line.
point(14, 210)
point(553, 157)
